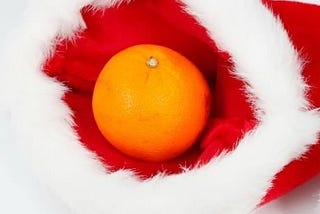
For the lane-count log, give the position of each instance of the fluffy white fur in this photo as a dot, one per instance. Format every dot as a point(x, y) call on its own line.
point(233, 183)
point(316, 2)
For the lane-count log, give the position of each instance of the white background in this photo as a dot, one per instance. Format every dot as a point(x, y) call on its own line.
point(21, 193)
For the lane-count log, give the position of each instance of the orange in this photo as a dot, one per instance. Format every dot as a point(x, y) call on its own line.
point(150, 102)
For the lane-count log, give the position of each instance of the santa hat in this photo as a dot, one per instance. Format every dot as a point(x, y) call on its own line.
point(263, 58)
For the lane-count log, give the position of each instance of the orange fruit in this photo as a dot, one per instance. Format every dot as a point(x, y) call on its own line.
point(150, 102)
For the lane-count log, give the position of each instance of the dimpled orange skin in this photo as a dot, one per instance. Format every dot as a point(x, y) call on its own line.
point(150, 102)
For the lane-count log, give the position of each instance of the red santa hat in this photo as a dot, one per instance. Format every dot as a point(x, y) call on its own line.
point(261, 142)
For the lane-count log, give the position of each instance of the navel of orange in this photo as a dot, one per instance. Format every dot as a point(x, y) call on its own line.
point(150, 102)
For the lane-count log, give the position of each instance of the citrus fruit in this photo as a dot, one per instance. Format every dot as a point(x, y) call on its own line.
point(150, 102)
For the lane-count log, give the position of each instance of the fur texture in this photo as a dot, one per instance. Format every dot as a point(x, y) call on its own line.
point(43, 122)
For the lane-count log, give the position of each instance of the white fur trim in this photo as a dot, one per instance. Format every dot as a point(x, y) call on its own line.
point(232, 183)
point(316, 2)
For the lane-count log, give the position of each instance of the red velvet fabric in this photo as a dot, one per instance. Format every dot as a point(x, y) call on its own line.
point(78, 63)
